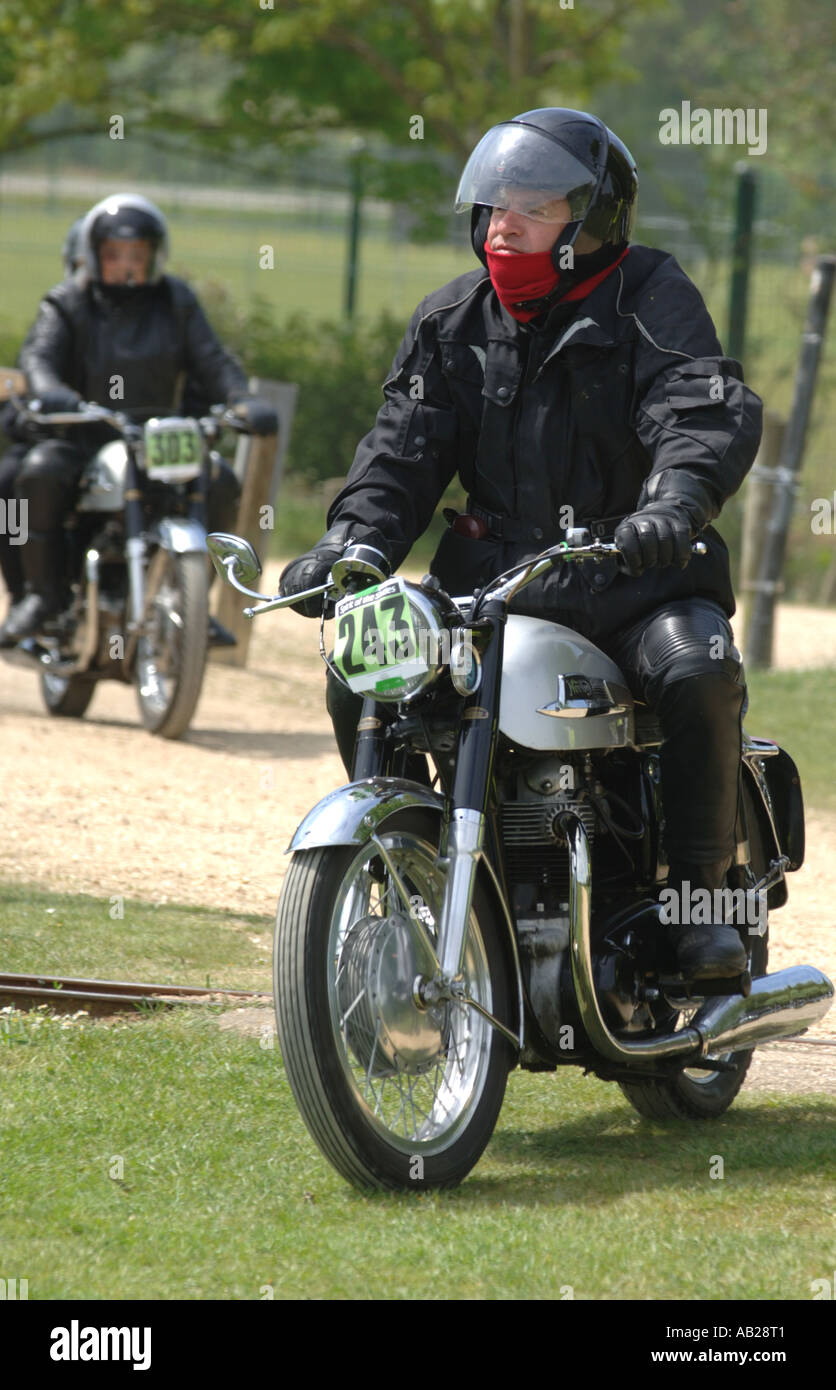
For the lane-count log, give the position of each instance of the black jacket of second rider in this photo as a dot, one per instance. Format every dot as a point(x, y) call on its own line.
point(151, 337)
point(610, 403)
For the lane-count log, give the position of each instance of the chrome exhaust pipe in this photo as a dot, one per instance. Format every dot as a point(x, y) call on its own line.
point(779, 1005)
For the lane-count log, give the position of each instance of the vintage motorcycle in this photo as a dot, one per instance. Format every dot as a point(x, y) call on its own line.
point(136, 567)
point(430, 938)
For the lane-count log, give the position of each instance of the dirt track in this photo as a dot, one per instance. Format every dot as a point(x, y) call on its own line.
point(99, 806)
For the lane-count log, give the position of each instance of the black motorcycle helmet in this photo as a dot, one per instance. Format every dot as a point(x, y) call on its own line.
point(126, 217)
point(71, 252)
point(554, 152)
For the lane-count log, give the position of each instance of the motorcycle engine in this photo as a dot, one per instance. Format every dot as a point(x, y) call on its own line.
point(536, 857)
point(537, 792)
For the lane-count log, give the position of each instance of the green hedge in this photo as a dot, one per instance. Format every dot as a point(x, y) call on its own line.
point(338, 367)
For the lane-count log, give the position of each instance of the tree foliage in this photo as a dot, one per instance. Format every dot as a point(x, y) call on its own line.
point(297, 64)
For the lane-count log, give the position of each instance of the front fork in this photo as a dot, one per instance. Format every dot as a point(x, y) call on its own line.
point(143, 582)
point(466, 827)
point(474, 766)
point(135, 547)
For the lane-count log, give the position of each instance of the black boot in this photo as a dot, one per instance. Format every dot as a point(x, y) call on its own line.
point(12, 575)
point(43, 567)
point(710, 951)
point(220, 636)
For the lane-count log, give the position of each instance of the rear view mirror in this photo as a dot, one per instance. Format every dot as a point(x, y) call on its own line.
point(235, 561)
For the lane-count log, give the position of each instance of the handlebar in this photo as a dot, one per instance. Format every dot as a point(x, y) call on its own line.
point(91, 413)
point(504, 587)
point(507, 585)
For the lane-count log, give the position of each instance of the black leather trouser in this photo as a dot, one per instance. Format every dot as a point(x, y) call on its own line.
point(10, 545)
point(682, 662)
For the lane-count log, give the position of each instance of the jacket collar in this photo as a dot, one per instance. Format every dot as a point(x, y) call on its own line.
point(599, 320)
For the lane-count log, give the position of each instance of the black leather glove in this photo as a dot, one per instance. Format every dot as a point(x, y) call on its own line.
point(674, 506)
point(258, 415)
point(659, 534)
point(58, 399)
point(314, 566)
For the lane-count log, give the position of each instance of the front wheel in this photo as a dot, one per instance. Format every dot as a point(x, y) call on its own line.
point(66, 697)
point(171, 653)
point(396, 1094)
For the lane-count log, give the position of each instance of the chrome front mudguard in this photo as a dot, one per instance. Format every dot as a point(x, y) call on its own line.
point(351, 815)
point(179, 535)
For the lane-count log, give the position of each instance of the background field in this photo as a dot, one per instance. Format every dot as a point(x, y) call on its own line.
point(253, 310)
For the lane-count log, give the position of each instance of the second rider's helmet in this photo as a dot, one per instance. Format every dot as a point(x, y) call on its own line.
point(126, 217)
point(71, 254)
point(548, 154)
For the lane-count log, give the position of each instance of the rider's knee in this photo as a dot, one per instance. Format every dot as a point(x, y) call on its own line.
point(689, 641)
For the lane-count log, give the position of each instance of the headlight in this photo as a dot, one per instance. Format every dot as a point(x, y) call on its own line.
point(392, 641)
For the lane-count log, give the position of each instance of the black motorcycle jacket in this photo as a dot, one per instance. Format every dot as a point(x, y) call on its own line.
point(579, 418)
point(151, 337)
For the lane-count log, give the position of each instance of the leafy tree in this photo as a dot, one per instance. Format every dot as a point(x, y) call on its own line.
point(295, 64)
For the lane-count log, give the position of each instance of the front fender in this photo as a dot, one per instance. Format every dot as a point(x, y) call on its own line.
point(179, 534)
point(350, 815)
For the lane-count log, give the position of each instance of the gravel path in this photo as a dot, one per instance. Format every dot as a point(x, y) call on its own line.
point(98, 806)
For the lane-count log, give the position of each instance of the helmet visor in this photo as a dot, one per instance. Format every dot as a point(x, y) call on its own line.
point(126, 224)
point(515, 166)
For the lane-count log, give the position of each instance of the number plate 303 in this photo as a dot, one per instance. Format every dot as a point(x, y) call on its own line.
point(173, 449)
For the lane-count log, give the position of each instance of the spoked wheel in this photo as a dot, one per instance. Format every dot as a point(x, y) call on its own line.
point(397, 1094)
point(694, 1093)
point(171, 654)
point(66, 697)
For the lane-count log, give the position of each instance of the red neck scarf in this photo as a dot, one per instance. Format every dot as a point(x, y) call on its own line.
point(519, 277)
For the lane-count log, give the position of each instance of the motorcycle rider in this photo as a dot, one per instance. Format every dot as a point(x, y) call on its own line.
point(118, 330)
point(575, 369)
point(23, 434)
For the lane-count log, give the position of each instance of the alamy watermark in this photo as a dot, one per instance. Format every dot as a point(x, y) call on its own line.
point(823, 521)
point(432, 648)
point(14, 519)
point(723, 125)
point(82, 1343)
point(702, 907)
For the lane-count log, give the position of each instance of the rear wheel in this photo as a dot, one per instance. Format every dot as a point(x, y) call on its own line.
point(395, 1093)
point(694, 1093)
point(171, 654)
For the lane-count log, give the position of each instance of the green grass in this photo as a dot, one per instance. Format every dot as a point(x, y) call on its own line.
point(221, 1194)
point(308, 274)
point(310, 266)
point(57, 934)
point(794, 709)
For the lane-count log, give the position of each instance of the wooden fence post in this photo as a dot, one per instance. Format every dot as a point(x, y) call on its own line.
point(259, 463)
point(756, 512)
